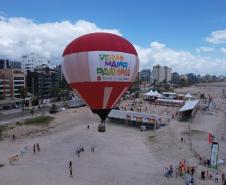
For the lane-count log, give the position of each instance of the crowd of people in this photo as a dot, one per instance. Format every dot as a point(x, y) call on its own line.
point(206, 175)
point(78, 150)
point(188, 172)
point(181, 170)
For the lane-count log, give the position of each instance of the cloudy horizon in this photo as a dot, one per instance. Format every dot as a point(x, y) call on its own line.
point(21, 36)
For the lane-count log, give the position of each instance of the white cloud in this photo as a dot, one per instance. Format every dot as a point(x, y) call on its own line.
point(19, 36)
point(223, 50)
point(217, 37)
point(204, 49)
point(157, 45)
point(180, 61)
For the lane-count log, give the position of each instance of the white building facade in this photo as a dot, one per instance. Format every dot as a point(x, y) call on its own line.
point(161, 73)
point(31, 61)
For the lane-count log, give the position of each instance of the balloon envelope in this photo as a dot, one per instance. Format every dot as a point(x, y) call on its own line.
point(100, 67)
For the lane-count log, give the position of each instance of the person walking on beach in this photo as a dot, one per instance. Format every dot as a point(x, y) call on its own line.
point(38, 147)
point(14, 137)
point(166, 172)
point(70, 164)
point(88, 127)
point(34, 149)
point(216, 178)
point(81, 148)
point(78, 152)
point(223, 178)
point(171, 170)
point(70, 168)
point(93, 148)
point(202, 175)
point(192, 170)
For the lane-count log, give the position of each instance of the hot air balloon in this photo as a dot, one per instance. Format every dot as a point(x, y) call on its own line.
point(100, 67)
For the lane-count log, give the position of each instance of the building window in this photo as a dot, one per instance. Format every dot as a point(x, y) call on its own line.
point(18, 78)
point(21, 82)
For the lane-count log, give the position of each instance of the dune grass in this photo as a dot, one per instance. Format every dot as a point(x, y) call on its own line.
point(39, 121)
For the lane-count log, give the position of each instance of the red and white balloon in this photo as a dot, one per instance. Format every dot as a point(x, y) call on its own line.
point(100, 67)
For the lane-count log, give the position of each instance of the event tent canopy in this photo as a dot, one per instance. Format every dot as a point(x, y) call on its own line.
point(189, 105)
point(188, 95)
point(153, 94)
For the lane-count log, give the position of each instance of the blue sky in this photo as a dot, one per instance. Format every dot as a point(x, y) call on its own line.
point(181, 25)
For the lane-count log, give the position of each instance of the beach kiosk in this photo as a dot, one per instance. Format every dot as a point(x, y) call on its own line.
point(136, 119)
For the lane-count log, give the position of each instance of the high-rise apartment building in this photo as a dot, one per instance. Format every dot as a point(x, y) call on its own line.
point(161, 74)
point(42, 81)
point(4, 86)
point(145, 75)
point(8, 64)
point(16, 79)
point(31, 61)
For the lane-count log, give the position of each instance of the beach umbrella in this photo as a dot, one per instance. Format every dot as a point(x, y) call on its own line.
point(100, 67)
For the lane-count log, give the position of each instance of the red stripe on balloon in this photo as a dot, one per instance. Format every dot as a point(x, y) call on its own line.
point(93, 92)
point(115, 94)
point(100, 42)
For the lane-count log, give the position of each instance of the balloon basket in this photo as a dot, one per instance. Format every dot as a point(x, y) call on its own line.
point(101, 127)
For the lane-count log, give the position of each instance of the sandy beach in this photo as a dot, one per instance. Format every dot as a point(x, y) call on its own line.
point(123, 155)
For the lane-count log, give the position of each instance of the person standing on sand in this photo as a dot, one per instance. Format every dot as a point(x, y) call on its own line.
point(192, 170)
point(216, 178)
point(93, 148)
point(223, 178)
point(182, 139)
point(78, 152)
point(88, 127)
point(38, 147)
point(14, 137)
point(70, 164)
point(34, 148)
point(70, 168)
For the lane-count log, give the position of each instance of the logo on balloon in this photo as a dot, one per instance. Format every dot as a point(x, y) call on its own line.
point(112, 66)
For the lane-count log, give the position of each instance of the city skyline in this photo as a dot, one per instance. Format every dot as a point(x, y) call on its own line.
point(189, 36)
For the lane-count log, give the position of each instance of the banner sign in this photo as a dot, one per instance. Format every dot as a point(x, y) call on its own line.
point(140, 118)
point(214, 154)
point(111, 66)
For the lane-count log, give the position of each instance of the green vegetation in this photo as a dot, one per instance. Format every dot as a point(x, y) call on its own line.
point(19, 123)
point(40, 120)
point(152, 138)
point(34, 101)
point(2, 128)
point(53, 109)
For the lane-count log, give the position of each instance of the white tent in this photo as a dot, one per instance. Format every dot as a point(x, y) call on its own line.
point(153, 94)
point(150, 93)
point(189, 105)
point(158, 94)
point(188, 95)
